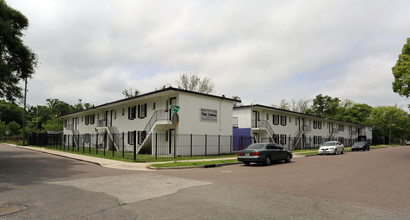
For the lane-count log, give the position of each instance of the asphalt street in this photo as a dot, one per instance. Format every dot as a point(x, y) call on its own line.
point(359, 185)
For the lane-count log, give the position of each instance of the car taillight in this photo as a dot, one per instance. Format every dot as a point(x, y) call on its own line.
point(240, 154)
point(255, 154)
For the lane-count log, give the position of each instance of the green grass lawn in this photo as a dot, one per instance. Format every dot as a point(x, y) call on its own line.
point(129, 156)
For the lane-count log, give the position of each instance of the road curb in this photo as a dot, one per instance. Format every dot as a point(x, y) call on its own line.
point(56, 154)
point(191, 167)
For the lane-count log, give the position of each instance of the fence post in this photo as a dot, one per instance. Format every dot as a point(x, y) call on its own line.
point(105, 142)
point(83, 145)
point(135, 145)
point(156, 146)
point(219, 144)
point(230, 144)
point(191, 145)
point(123, 143)
point(96, 144)
point(64, 138)
point(89, 144)
point(113, 143)
point(206, 139)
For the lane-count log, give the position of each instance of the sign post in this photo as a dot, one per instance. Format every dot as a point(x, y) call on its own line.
point(175, 121)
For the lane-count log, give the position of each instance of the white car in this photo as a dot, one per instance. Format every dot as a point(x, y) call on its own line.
point(331, 147)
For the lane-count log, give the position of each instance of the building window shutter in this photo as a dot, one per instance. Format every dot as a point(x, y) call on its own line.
point(139, 111)
point(129, 116)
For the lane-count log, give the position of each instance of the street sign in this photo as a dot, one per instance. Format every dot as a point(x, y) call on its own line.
point(175, 119)
point(174, 109)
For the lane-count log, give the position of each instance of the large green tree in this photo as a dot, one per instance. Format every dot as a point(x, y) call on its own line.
point(17, 61)
point(383, 117)
point(324, 106)
point(401, 72)
point(10, 112)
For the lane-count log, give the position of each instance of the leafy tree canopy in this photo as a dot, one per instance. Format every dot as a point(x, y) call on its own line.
point(129, 93)
point(17, 61)
point(383, 116)
point(401, 72)
point(195, 83)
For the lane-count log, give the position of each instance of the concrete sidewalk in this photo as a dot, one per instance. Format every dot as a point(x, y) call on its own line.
point(107, 162)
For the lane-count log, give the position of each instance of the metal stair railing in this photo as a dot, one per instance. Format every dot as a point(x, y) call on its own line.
point(264, 124)
point(75, 133)
point(159, 115)
point(114, 135)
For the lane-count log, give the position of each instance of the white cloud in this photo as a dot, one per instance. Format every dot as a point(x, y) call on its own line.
point(262, 51)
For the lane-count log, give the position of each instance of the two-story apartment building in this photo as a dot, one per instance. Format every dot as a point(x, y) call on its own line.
point(292, 129)
point(140, 117)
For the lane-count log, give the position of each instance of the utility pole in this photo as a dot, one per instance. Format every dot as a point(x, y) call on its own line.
point(390, 132)
point(24, 113)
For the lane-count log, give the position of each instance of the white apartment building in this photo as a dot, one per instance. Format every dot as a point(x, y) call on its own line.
point(143, 117)
point(295, 130)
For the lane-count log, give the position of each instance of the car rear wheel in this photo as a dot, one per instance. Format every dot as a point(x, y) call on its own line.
point(335, 151)
point(246, 163)
point(267, 161)
point(287, 160)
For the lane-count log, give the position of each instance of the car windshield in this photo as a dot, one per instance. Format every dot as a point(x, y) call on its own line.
point(256, 146)
point(329, 144)
point(358, 144)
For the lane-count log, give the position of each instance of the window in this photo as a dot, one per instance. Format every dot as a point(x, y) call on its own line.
point(275, 119)
point(142, 111)
point(153, 106)
point(65, 123)
point(123, 111)
point(290, 119)
point(314, 127)
point(115, 114)
point(131, 137)
point(92, 119)
point(319, 124)
point(267, 116)
point(341, 127)
point(87, 119)
point(132, 112)
point(283, 138)
point(283, 120)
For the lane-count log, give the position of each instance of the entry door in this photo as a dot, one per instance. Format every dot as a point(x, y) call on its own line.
point(256, 117)
point(172, 101)
point(75, 123)
point(111, 114)
point(106, 118)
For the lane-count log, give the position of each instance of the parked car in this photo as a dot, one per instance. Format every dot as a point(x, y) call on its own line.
point(408, 142)
point(361, 145)
point(331, 147)
point(264, 153)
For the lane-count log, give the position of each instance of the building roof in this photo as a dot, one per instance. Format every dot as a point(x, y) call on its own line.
point(293, 112)
point(153, 93)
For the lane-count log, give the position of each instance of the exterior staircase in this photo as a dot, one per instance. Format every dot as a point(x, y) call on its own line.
point(146, 134)
point(265, 124)
point(299, 135)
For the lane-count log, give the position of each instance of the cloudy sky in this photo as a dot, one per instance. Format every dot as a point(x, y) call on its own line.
point(261, 51)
